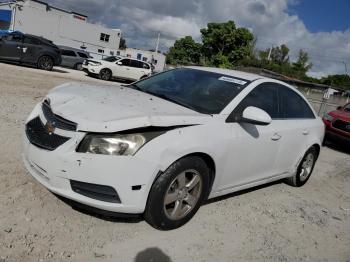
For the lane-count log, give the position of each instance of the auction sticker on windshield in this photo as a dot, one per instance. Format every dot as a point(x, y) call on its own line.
point(232, 80)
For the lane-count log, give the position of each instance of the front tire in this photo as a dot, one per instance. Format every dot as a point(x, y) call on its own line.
point(305, 169)
point(177, 194)
point(45, 63)
point(105, 74)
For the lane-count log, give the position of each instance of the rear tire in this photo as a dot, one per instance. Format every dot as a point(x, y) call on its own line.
point(78, 66)
point(177, 194)
point(305, 169)
point(45, 63)
point(105, 74)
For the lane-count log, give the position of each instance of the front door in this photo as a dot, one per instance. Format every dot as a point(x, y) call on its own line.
point(30, 50)
point(11, 47)
point(253, 149)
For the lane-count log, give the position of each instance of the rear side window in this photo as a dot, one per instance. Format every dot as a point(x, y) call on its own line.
point(68, 53)
point(83, 55)
point(32, 41)
point(136, 64)
point(293, 105)
point(265, 97)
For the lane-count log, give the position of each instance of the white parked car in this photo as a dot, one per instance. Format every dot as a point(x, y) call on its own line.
point(124, 68)
point(164, 145)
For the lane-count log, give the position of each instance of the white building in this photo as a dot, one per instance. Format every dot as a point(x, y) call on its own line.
point(60, 26)
point(67, 28)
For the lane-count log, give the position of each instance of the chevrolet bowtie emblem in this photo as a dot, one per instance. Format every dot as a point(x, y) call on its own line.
point(50, 128)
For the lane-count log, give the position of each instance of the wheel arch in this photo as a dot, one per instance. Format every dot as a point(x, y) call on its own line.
point(207, 159)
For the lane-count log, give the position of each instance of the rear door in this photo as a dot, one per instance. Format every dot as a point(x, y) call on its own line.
point(69, 58)
point(31, 49)
point(298, 120)
point(11, 47)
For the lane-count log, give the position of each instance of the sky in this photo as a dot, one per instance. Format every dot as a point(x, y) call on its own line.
point(322, 27)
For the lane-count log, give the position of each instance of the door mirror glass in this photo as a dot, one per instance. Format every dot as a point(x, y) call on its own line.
point(255, 116)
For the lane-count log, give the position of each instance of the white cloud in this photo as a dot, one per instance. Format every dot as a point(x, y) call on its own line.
point(141, 20)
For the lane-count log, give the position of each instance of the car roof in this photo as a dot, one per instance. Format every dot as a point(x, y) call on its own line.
point(229, 72)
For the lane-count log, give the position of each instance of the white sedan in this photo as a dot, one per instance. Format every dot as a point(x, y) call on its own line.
point(123, 68)
point(162, 146)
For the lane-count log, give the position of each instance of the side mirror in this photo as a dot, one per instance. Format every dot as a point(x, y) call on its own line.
point(339, 107)
point(119, 63)
point(255, 116)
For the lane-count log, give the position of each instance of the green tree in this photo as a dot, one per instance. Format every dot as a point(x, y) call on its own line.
point(224, 44)
point(279, 54)
point(185, 51)
point(337, 81)
point(302, 65)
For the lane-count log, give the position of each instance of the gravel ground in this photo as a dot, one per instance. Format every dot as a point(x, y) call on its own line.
point(275, 222)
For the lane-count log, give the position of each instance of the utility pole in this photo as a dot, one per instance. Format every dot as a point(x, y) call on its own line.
point(269, 56)
point(346, 67)
point(157, 45)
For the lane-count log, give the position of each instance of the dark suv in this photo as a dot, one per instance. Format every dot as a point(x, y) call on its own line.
point(29, 49)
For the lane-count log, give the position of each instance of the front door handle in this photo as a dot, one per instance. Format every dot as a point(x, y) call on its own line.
point(305, 132)
point(276, 137)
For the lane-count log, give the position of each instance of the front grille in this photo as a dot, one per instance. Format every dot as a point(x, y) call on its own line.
point(56, 120)
point(98, 192)
point(341, 125)
point(39, 136)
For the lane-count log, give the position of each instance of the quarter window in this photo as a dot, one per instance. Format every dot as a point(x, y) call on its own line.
point(265, 97)
point(293, 105)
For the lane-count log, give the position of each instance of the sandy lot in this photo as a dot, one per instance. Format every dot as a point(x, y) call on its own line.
point(272, 223)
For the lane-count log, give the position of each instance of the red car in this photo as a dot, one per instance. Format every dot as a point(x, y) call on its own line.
point(338, 124)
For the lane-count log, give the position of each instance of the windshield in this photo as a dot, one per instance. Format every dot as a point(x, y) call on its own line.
point(111, 58)
point(202, 91)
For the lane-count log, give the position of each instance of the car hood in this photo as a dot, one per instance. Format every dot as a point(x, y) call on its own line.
point(117, 108)
point(339, 114)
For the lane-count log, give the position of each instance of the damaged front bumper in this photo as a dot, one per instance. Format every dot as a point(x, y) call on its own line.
point(130, 176)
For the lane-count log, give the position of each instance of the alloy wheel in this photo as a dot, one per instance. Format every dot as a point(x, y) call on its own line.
point(306, 167)
point(182, 194)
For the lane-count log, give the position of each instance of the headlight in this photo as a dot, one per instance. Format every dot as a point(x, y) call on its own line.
point(116, 144)
point(328, 117)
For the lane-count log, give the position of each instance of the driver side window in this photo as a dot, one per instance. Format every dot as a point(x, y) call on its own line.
point(14, 38)
point(265, 97)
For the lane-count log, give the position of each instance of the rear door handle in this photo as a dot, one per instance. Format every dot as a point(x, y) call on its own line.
point(276, 137)
point(305, 132)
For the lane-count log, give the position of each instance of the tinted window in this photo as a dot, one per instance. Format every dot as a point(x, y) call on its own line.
point(30, 40)
point(265, 97)
point(14, 38)
point(125, 62)
point(293, 105)
point(134, 63)
point(110, 59)
point(68, 53)
point(83, 55)
point(202, 91)
point(145, 66)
